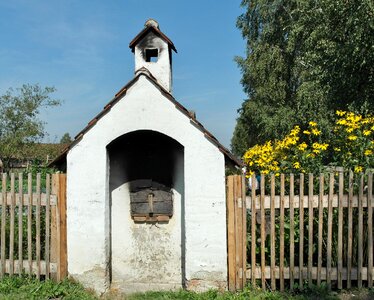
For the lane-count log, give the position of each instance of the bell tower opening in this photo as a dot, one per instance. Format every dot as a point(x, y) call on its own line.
point(153, 51)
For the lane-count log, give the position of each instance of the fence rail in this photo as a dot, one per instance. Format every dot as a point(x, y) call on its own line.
point(32, 232)
point(322, 234)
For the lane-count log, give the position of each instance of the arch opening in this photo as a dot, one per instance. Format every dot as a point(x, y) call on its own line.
point(144, 163)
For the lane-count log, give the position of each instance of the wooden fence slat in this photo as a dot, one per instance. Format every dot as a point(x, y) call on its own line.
point(329, 230)
point(360, 231)
point(47, 226)
point(340, 230)
point(350, 229)
point(231, 233)
point(29, 223)
point(236, 230)
point(272, 232)
point(244, 233)
point(11, 225)
point(20, 223)
point(281, 236)
point(301, 230)
point(38, 192)
point(3, 223)
point(320, 227)
point(292, 232)
point(310, 230)
point(239, 231)
point(253, 230)
point(370, 230)
point(263, 224)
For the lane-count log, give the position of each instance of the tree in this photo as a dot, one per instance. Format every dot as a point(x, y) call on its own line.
point(19, 119)
point(305, 60)
point(66, 139)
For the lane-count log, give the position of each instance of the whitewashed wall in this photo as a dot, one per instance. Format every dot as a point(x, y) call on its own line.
point(88, 211)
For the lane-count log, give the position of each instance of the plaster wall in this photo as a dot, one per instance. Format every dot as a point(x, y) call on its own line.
point(144, 107)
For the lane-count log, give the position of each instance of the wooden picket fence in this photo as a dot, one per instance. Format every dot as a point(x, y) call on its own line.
point(33, 225)
point(302, 230)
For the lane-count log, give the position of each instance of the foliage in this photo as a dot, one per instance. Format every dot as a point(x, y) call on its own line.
point(304, 61)
point(20, 125)
point(309, 151)
point(66, 139)
point(30, 288)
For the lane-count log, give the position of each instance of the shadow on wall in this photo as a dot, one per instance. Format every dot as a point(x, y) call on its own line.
point(146, 157)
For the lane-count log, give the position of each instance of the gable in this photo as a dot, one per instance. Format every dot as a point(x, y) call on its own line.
point(143, 86)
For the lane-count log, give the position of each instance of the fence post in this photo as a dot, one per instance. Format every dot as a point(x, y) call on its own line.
point(58, 227)
point(236, 232)
point(231, 245)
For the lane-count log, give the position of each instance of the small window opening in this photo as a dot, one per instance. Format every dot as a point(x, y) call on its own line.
point(151, 55)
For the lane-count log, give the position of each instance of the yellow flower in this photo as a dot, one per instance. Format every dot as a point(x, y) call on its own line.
point(341, 122)
point(340, 113)
point(368, 152)
point(316, 131)
point(302, 146)
point(306, 132)
point(367, 132)
point(349, 130)
point(316, 151)
point(311, 123)
point(358, 169)
point(296, 165)
point(352, 137)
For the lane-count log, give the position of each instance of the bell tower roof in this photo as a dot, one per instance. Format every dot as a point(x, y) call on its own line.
point(151, 25)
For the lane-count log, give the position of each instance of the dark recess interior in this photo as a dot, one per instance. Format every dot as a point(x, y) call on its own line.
point(143, 155)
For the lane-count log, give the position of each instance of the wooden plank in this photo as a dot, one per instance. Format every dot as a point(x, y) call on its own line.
point(63, 261)
point(231, 233)
point(301, 232)
point(244, 233)
point(335, 201)
point(43, 199)
point(272, 232)
point(281, 234)
point(350, 229)
point(292, 233)
point(253, 231)
point(47, 226)
point(37, 219)
point(20, 223)
point(24, 266)
point(360, 232)
point(329, 230)
point(11, 225)
point(370, 230)
point(29, 223)
point(304, 271)
point(340, 231)
point(238, 231)
point(3, 223)
point(263, 224)
point(310, 230)
point(320, 227)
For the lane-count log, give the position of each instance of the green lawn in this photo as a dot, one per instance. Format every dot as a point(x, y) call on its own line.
point(30, 288)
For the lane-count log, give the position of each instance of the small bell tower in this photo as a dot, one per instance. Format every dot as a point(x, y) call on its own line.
point(153, 51)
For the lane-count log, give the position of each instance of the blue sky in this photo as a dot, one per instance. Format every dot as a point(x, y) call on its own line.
point(81, 48)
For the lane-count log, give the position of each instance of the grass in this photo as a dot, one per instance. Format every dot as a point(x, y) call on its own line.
point(29, 288)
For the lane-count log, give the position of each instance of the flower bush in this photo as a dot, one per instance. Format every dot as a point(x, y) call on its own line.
point(308, 151)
